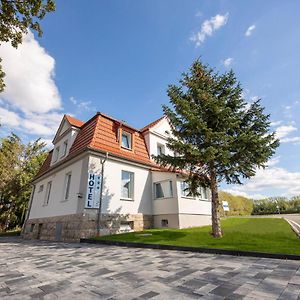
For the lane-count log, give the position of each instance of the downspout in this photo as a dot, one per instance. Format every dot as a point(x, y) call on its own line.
point(28, 210)
point(102, 161)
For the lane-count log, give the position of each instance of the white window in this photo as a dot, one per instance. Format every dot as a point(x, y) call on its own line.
point(126, 140)
point(65, 147)
point(48, 191)
point(185, 189)
point(163, 189)
point(204, 193)
point(56, 154)
point(41, 188)
point(127, 185)
point(160, 149)
point(67, 185)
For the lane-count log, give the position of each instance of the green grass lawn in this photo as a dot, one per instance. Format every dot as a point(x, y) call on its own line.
point(252, 234)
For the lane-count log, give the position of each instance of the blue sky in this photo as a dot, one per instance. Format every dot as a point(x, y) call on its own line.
point(118, 57)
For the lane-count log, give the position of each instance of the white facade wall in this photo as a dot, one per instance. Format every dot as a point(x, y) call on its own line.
point(165, 205)
point(189, 205)
point(157, 135)
point(57, 205)
point(112, 200)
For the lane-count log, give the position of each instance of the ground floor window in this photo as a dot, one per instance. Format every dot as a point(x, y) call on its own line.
point(163, 189)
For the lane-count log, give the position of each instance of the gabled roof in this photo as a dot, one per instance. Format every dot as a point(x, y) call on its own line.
point(147, 127)
point(101, 133)
point(73, 121)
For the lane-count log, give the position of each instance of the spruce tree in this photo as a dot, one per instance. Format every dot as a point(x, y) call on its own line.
point(217, 135)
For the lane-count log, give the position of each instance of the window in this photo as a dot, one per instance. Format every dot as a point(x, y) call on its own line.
point(126, 140)
point(56, 154)
point(65, 147)
point(41, 188)
point(164, 223)
point(67, 185)
point(126, 226)
point(204, 193)
point(185, 189)
point(48, 191)
point(163, 189)
point(160, 149)
point(31, 227)
point(127, 185)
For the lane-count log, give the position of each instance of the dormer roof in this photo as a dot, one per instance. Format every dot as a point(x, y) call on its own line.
point(102, 133)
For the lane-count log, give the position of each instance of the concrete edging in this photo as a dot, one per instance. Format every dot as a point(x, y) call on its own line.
point(193, 249)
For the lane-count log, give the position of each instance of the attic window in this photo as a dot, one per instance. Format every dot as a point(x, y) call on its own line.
point(126, 140)
point(56, 154)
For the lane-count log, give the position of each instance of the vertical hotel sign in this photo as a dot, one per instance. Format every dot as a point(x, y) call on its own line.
point(93, 191)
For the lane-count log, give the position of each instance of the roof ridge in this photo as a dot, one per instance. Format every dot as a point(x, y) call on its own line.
point(152, 124)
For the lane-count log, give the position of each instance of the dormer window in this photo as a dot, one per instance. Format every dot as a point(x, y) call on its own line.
point(56, 154)
point(126, 140)
point(65, 147)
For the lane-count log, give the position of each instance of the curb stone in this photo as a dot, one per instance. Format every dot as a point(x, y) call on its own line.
point(193, 249)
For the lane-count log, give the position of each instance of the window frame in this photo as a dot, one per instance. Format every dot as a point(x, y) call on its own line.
point(182, 192)
point(170, 189)
point(128, 135)
point(48, 192)
point(163, 148)
point(56, 154)
point(65, 147)
point(131, 186)
point(41, 188)
point(68, 179)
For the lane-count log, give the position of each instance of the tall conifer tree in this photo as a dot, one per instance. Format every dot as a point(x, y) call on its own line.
point(218, 136)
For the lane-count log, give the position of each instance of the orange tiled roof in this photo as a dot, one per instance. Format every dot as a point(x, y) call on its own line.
point(73, 121)
point(45, 166)
point(102, 133)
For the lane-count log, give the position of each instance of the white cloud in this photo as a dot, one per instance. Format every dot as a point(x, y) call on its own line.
point(9, 118)
point(34, 124)
point(29, 78)
point(86, 105)
point(294, 140)
point(228, 61)
point(284, 130)
point(272, 178)
point(276, 123)
point(208, 27)
point(250, 30)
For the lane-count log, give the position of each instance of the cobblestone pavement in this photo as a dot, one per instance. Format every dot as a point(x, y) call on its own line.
point(47, 270)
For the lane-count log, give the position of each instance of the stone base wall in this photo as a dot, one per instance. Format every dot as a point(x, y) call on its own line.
point(71, 228)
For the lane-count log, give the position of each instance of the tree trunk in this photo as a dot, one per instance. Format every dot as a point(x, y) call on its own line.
point(215, 204)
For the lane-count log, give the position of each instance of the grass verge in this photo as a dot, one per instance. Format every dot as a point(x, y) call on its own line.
point(249, 234)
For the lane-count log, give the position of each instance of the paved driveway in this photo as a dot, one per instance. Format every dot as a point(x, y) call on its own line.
point(44, 270)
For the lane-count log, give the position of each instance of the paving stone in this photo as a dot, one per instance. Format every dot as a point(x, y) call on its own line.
point(49, 270)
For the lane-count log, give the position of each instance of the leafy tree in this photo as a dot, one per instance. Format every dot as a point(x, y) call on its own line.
point(217, 136)
point(17, 17)
point(238, 205)
point(18, 165)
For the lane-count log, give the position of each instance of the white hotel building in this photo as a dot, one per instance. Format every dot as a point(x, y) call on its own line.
point(137, 193)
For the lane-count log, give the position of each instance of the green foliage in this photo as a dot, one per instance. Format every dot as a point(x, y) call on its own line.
point(18, 165)
point(17, 17)
point(252, 234)
point(238, 205)
point(217, 135)
point(276, 205)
